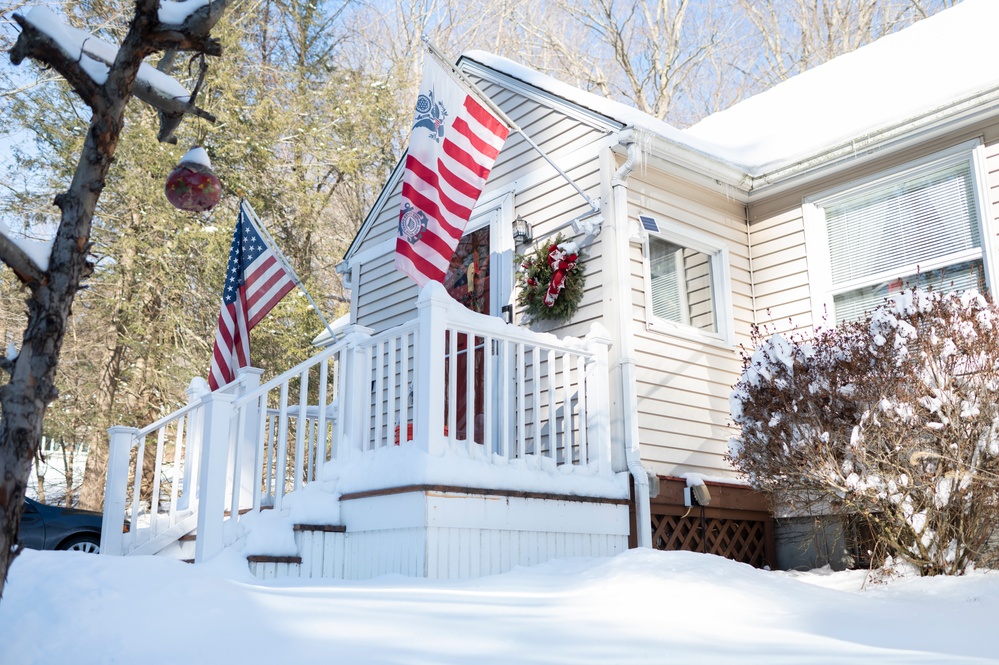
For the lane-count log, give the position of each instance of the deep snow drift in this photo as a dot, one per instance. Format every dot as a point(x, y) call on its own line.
point(639, 607)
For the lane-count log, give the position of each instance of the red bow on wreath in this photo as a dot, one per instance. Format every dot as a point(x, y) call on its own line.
point(561, 263)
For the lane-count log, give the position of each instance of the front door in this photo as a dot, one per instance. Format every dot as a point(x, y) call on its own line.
point(467, 279)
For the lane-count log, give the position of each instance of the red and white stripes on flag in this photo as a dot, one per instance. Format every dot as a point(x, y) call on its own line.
point(454, 144)
point(255, 280)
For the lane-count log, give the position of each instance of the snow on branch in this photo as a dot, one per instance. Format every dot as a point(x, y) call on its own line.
point(85, 60)
point(53, 47)
point(29, 259)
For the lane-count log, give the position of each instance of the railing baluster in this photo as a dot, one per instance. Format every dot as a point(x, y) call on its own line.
point(452, 385)
point(321, 400)
point(137, 480)
point(270, 458)
point(581, 400)
point(261, 455)
point(391, 413)
point(379, 367)
point(237, 465)
point(504, 360)
point(487, 397)
point(281, 460)
point(154, 499)
point(521, 405)
point(567, 429)
point(536, 399)
point(553, 406)
point(368, 442)
point(342, 386)
point(470, 393)
point(179, 446)
point(301, 426)
point(405, 388)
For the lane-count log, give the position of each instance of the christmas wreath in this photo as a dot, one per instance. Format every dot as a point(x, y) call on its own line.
point(550, 280)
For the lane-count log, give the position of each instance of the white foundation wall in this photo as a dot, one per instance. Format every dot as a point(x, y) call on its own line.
point(452, 535)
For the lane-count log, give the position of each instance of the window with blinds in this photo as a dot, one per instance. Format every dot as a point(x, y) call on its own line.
point(922, 229)
point(681, 285)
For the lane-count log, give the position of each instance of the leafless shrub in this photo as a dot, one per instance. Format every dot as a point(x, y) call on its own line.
point(894, 419)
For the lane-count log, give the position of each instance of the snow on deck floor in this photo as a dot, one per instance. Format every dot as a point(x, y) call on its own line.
point(638, 607)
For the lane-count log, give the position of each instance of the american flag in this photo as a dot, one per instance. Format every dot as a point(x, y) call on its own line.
point(254, 282)
point(454, 144)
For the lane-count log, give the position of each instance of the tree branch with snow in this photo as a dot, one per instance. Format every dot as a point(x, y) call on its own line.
point(105, 78)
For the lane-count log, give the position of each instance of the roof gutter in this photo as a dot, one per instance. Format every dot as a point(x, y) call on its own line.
point(715, 171)
point(943, 119)
point(741, 181)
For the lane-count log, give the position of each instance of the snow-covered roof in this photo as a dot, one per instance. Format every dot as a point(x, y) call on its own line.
point(933, 63)
point(929, 66)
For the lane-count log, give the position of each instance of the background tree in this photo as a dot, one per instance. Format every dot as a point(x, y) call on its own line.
point(53, 286)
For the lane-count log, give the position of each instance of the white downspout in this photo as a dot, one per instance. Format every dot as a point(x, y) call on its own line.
point(626, 355)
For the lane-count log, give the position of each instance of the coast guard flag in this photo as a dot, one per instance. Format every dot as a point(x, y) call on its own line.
point(454, 144)
point(254, 282)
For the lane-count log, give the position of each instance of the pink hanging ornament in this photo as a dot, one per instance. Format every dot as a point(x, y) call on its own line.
point(193, 185)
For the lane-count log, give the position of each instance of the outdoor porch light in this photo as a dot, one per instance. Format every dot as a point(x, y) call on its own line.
point(522, 233)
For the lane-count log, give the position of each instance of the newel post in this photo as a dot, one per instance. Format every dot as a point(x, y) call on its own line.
point(428, 409)
point(212, 474)
point(598, 398)
point(247, 456)
point(116, 489)
point(354, 391)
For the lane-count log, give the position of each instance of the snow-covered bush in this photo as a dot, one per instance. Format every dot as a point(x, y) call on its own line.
point(894, 418)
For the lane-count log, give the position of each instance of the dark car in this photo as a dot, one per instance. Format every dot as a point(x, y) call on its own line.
point(55, 528)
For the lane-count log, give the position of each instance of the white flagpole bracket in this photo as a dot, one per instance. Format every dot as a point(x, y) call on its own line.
point(262, 230)
point(473, 89)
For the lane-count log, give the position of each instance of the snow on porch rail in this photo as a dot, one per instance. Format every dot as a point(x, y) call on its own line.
point(451, 380)
point(155, 488)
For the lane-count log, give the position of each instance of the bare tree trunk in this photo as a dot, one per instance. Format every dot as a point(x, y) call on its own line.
point(25, 398)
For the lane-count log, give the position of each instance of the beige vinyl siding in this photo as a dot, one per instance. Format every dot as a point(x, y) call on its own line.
point(684, 379)
point(549, 206)
point(780, 272)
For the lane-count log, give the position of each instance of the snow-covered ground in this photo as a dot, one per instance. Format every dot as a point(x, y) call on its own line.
point(639, 607)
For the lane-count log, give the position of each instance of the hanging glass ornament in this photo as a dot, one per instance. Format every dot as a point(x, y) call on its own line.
point(193, 185)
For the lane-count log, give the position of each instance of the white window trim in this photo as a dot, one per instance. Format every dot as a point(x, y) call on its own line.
point(817, 243)
point(721, 283)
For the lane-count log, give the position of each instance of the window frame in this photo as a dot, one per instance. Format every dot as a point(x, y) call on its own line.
point(819, 261)
point(721, 290)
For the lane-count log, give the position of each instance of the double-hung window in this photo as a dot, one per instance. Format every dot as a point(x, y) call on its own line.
point(919, 227)
point(687, 282)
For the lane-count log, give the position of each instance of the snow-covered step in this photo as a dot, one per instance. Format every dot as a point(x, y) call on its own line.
point(321, 555)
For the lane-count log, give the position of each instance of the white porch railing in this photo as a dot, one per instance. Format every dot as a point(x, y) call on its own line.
point(449, 381)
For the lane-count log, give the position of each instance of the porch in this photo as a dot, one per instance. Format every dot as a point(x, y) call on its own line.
point(454, 445)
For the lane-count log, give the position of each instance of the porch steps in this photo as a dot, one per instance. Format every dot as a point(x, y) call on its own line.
point(321, 555)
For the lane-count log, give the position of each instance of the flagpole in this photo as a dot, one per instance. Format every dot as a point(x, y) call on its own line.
point(474, 89)
point(259, 226)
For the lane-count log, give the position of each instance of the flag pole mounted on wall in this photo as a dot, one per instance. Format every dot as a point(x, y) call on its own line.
point(457, 135)
point(472, 88)
point(257, 278)
point(259, 225)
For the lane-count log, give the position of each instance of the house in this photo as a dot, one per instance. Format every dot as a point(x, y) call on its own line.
point(438, 439)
